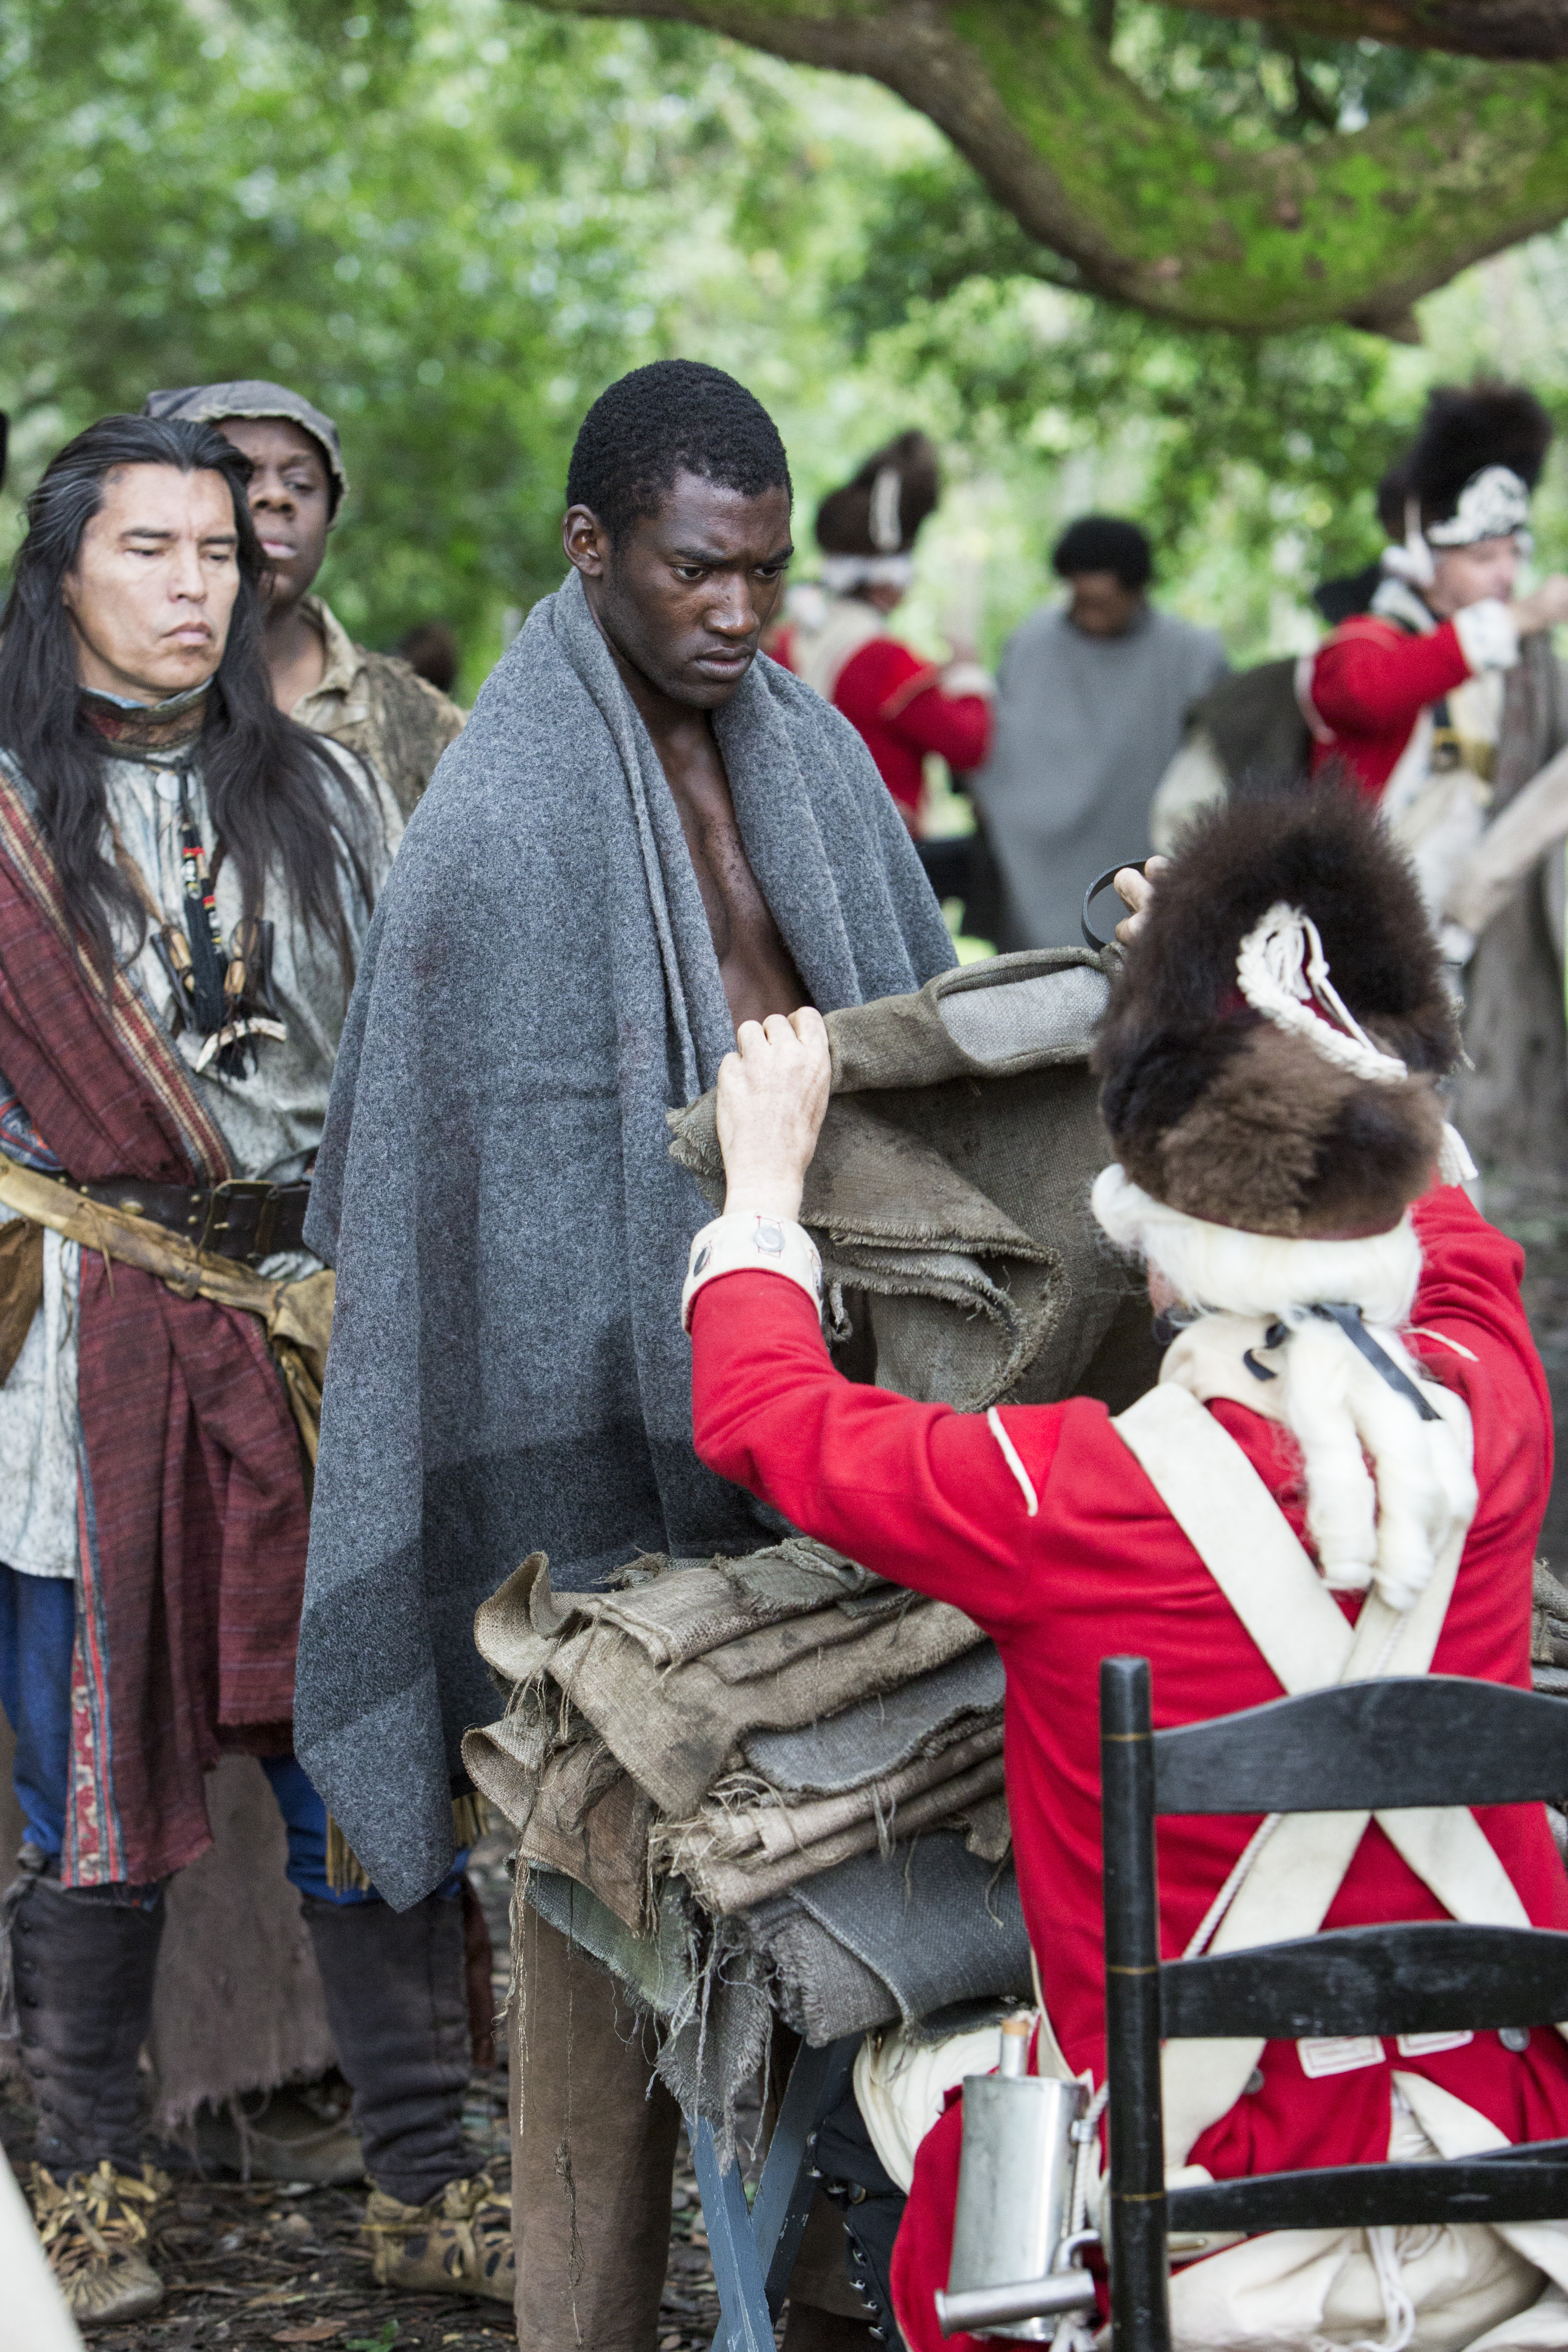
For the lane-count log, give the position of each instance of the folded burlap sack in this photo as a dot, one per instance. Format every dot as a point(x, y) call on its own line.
point(878, 1735)
point(693, 1726)
point(877, 1940)
point(734, 1853)
point(950, 1188)
point(676, 1728)
point(1547, 1620)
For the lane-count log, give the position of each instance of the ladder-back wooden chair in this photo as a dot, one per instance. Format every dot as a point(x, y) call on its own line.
point(1377, 1746)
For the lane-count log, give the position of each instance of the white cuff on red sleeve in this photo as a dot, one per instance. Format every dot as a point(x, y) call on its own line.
point(1487, 634)
point(750, 1244)
point(968, 678)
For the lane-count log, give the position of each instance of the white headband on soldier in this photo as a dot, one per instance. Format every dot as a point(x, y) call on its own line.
point(845, 574)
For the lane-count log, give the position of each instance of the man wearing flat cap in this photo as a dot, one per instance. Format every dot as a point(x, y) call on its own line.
point(373, 703)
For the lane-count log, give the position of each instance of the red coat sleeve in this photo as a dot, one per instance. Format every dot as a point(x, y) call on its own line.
point(917, 1492)
point(887, 685)
point(1470, 1284)
point(957, 727)
point(1370, 679)
point(1470, 1330)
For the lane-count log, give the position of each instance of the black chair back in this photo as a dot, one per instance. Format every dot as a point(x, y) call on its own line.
point(1368, 1746)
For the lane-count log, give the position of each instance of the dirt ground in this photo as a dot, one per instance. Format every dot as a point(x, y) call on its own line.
point(258, 2267)
point(251, 2266)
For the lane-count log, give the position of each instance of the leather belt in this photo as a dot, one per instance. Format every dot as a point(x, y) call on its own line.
point(241, 1219)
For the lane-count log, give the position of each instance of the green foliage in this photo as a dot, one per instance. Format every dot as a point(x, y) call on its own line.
point(1250, 233)
point(438, 227)
point(1301, 411)
point(1256, 85)
point(927, 227)
point(1251, 461)
point(451, 222)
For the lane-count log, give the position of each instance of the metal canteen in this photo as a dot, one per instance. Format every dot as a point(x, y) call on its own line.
point(1011, 2274)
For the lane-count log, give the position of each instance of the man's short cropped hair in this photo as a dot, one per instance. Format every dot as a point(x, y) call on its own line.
point(676, 417)
point(1104, 543)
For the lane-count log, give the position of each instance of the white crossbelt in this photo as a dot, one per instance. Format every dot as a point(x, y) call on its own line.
point(1245, 1541)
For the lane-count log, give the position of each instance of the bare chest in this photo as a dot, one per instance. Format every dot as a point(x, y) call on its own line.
point(756, 967)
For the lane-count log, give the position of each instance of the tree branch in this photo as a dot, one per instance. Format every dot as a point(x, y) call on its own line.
point(1353, 226)
point(1501, 29)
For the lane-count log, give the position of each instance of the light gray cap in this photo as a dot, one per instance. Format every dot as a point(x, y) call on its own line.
point(209, 403)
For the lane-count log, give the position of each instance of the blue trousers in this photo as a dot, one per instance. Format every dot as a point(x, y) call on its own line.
point(37, 1634)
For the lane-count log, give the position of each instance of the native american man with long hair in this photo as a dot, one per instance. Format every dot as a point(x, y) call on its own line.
point(187, 878)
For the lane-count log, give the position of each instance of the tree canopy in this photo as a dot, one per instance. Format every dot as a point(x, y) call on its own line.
point(452, 223)
point(1321, 211)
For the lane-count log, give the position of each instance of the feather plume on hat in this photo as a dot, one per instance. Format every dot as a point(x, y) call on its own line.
point(866, 529)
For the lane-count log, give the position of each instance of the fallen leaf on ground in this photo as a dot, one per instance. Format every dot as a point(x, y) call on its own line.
point(321, 2331)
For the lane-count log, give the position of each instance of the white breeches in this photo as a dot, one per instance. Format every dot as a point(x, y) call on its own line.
point(1465, 2288)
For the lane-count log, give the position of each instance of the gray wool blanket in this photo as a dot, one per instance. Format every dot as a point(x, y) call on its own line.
point(508, 1372)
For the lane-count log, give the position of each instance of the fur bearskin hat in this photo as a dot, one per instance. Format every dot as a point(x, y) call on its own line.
point(880, 508)
point(1465, 429)
point(1234, 1115)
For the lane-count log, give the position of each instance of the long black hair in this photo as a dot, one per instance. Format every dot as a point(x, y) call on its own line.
point(265, 778)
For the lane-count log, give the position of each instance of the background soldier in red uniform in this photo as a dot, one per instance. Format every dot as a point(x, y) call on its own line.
point(1443, 704)
point(1408, 697)
point(903, 706)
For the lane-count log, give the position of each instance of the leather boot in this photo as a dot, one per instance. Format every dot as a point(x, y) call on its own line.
point(457, 2243)
point(399, 2009)
point(82, 1964)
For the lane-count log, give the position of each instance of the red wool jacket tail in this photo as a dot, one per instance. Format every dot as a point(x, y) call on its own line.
point(902, 708)
point(899, 705)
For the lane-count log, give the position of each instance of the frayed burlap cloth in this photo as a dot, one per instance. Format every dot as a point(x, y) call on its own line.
point(950, 1187)
point(678, 1724)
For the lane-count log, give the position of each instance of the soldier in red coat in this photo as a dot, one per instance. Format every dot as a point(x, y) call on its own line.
point(842, 645)
point(1270, 1057)
point(1408, 698)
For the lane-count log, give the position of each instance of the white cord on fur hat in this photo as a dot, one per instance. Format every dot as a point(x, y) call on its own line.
point(1388, 1527)
point(1281, 970)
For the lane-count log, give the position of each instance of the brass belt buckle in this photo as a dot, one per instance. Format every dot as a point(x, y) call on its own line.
point(242, 1188)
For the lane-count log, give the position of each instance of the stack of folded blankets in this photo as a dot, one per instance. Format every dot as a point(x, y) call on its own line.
point(777, 1782)
point(773, 1780)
